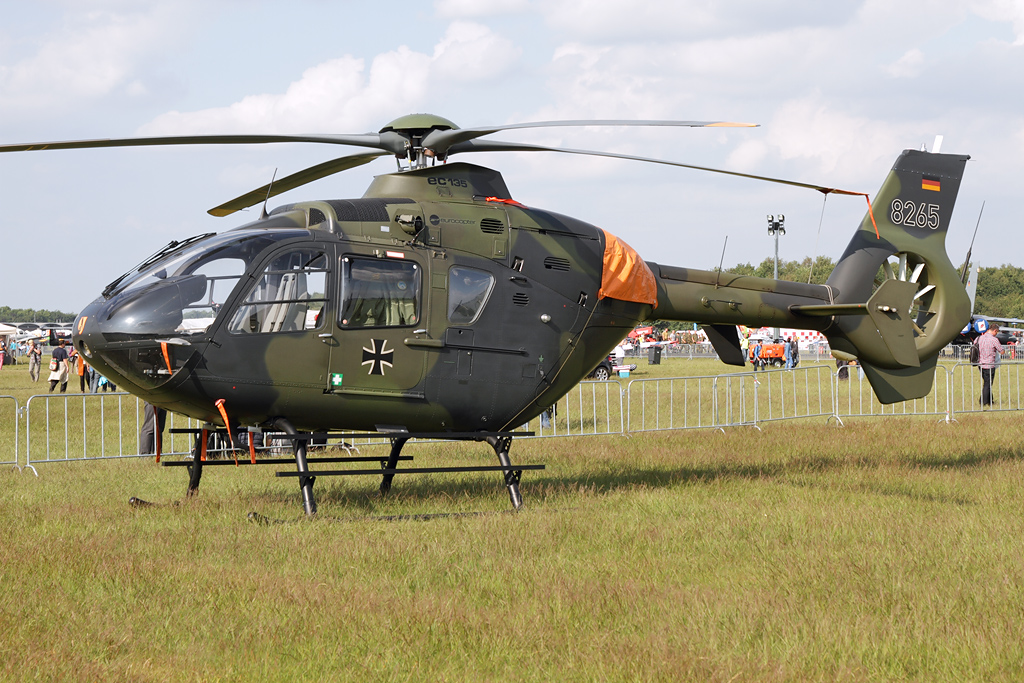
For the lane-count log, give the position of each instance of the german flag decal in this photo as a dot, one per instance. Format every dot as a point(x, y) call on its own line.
point(930, 184)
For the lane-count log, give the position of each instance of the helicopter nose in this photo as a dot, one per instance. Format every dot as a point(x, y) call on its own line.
point(127, 346)
point(85, 333)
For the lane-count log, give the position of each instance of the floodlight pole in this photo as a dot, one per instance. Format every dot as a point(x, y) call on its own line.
point(775, 228)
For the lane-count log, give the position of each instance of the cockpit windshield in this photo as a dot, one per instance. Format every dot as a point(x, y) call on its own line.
point(182, 293)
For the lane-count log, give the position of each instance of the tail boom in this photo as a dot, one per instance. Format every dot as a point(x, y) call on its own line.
point(893, 316)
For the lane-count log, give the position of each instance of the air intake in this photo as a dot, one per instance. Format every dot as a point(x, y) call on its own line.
point(370, 209)
point(520, 299)
point(492, 226)
point(557, 263)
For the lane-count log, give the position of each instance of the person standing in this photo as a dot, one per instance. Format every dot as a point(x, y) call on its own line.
point(34, 354)
point(83, 373)
point(59, 368)
point(152, 429)
point(989, 354)
point(787, 352)
point(755, 356)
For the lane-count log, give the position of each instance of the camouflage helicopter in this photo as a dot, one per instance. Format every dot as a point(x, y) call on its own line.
point(437, 306)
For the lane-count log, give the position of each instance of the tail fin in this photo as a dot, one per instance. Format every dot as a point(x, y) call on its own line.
point(913, 299)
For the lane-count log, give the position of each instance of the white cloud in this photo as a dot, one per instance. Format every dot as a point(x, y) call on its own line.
point(1011, 11)
point(907, 66)
point(90, 55)
point(811, 129)
point(460, 9)
point(471, 52)
point(335, 95)
point(339, 94)
point(614, 21)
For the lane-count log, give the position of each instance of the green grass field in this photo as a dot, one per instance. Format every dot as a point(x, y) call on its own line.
point(889, 549)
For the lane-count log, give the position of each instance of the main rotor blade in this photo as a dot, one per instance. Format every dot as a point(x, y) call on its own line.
point(496, 146)
point(298, 179)
point(442, 140)
point(392, 142)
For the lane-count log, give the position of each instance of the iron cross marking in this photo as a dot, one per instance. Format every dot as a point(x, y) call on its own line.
point(378, 356)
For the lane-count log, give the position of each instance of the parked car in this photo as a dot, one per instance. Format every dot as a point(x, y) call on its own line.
point(608, 368)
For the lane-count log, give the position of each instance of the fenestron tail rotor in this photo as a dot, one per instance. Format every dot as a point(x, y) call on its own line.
point(909, 267)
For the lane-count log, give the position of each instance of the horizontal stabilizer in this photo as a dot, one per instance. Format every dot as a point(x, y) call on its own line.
point(829, 310)
point(726, 341)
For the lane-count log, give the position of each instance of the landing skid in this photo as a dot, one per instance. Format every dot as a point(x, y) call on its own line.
point(500, 442)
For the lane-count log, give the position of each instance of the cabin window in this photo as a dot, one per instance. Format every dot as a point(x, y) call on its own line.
point(379, 292)
point(288, 296)
point(468, 291)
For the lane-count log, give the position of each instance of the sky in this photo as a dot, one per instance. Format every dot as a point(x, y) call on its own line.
point(838, 89)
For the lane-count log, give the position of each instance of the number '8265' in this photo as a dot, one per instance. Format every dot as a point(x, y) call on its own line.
point(906, 212)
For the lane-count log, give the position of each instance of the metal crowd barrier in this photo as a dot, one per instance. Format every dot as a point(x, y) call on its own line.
point(801, 392)
point(718, 401)
point(75, 427)
point(673, 403)
point(855, 398)
point(10, 431)
point(80, 427)
point(965, 388)
point(591, 408)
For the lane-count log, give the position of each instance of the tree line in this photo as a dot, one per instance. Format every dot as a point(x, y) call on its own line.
point(1000, 292)
point(793, 271)
point(30, 315)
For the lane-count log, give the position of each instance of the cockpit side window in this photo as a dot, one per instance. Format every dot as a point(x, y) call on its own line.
point(379, 292)
point(288, 296)
point(468, 291)
point(221, 275)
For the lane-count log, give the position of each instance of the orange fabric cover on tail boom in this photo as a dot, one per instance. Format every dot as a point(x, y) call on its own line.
point(625, 276)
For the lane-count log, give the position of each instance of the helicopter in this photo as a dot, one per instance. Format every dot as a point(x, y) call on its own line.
point(438, 306)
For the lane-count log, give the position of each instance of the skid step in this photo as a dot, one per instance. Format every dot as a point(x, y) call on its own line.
point(276, 461)
point(410, 470)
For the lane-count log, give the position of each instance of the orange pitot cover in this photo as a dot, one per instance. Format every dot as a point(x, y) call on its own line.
point(625, 275)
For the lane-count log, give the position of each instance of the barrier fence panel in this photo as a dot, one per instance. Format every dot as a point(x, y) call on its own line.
point(965, 387)
point(801, 392)
point(744, 398)
point(686, 402)
point(64, 427)
point(855, 398)
point(591, 408)
point(10, 431)
point(736, 399)
point(171, 443)
point(75, 427)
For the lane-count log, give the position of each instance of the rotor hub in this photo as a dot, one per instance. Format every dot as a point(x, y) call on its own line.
point(414, 129)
